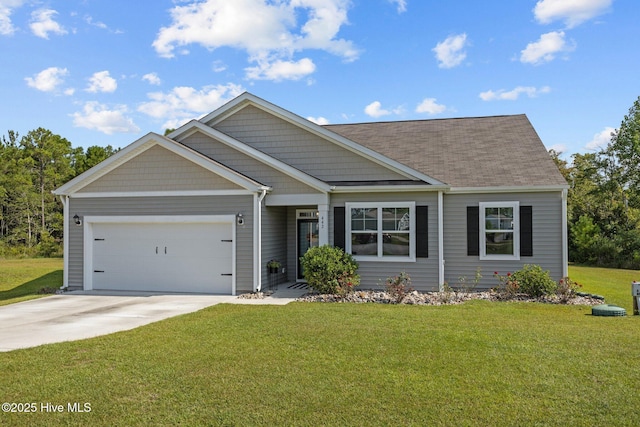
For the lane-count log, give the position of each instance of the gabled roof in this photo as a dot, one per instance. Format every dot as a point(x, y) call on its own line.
point(196, 126)
point(376, 156)
point(140, 146)
point(497, 151)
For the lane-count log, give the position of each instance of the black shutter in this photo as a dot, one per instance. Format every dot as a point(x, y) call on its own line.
point(473, 231)
point(422, 231)
point(338, 227)
point(526, 231)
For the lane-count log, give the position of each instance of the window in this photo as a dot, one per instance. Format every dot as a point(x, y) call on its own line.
point(381, 231)
point(500, 230)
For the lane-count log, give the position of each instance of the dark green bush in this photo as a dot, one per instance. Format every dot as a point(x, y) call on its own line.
point(329, 270)
point(534, 281)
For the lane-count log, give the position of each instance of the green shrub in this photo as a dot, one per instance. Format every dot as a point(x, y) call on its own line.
point(534, 281)
point(399, 286)
point(329, 270)
point(567, 289)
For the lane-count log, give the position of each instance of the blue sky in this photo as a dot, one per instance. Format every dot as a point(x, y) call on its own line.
point(103, 72)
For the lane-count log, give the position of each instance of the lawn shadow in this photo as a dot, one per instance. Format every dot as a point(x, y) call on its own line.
point(51, 280)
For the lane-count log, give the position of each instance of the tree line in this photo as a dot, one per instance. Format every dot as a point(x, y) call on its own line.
point(31, 166)
point(604, 199)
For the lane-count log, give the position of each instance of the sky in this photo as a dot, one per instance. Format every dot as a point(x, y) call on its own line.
point(107, 72)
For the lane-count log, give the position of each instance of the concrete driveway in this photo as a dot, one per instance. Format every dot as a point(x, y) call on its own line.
point(78, 315)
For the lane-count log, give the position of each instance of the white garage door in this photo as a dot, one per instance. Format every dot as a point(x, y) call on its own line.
point(166, 257)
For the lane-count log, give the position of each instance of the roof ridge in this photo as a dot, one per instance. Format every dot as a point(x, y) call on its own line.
point(426, 120)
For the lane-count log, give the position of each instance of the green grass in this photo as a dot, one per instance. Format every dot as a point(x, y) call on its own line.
point(475, 364)
point(614, 285)
point(22, 279)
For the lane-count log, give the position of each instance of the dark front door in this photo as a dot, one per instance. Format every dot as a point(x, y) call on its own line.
point(307, 238)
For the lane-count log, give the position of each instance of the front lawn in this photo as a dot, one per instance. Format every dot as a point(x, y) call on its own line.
point(23, 279)
point(613, 284)
point(479, 363)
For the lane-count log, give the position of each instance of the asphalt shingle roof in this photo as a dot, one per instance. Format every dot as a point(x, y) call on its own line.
point(491, 151)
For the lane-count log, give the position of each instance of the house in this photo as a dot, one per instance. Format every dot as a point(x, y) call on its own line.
point(207, 207)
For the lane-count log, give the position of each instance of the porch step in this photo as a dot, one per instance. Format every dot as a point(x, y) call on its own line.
point(298, 285)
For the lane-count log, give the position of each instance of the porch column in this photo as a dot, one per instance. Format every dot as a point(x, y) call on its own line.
point(440, 240)
point(323, 224)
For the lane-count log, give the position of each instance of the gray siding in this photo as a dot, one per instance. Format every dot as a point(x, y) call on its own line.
point(424, 271)
point(274, 243)
point(547, 237)
point(200, 205)
point(301, 149)
point(158, 169)
point(281, 183)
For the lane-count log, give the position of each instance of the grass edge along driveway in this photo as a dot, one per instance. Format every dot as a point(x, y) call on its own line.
point(479, 363)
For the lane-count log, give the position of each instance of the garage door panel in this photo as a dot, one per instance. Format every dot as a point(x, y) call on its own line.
point(169, 257)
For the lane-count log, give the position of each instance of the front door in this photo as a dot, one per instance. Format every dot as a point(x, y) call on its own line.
point(307, 238)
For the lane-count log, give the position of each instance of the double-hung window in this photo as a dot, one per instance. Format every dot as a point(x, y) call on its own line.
point(500, 230)
point(381, 231)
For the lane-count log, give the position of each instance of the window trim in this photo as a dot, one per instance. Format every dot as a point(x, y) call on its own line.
point(379, 206)
point(516, 230)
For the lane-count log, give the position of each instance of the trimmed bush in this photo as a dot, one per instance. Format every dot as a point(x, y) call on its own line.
point(534, 281)
point(329, 270)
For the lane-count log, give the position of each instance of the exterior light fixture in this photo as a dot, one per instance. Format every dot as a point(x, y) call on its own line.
point(240, 219)
point(77, 220)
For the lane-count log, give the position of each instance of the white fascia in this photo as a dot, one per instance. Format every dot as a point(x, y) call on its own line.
point(514, 189)
point(386, 188)
point(173, 193)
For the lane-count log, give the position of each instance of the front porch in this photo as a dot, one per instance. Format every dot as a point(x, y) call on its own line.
point(287, 233)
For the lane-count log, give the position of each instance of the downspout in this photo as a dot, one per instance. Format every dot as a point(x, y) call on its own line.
point(565, 235)
point(440, 241)
point(257, 238)
point(64, 199)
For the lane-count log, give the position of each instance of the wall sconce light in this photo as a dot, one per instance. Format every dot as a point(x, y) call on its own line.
point(240, 219)
point(77, 220)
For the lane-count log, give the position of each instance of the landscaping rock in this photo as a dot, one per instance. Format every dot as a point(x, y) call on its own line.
point(446, 297)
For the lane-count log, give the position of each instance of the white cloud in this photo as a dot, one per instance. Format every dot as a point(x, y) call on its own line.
point(450, 52)
point(430, 106)
point(601, 139)
point(514, 94)
point(42, 23)
point(268, 31)
point(182, 104)
point(281, 70)
point(47, 80)
point(152, 79)
point(6, 9)
point(375, 110)
point(102, 82)
point(572, 12)
point(401, 4)
point(218, 66)
point(318, 120)
point(99, 117)
point(546, 48)
point(558, 148)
